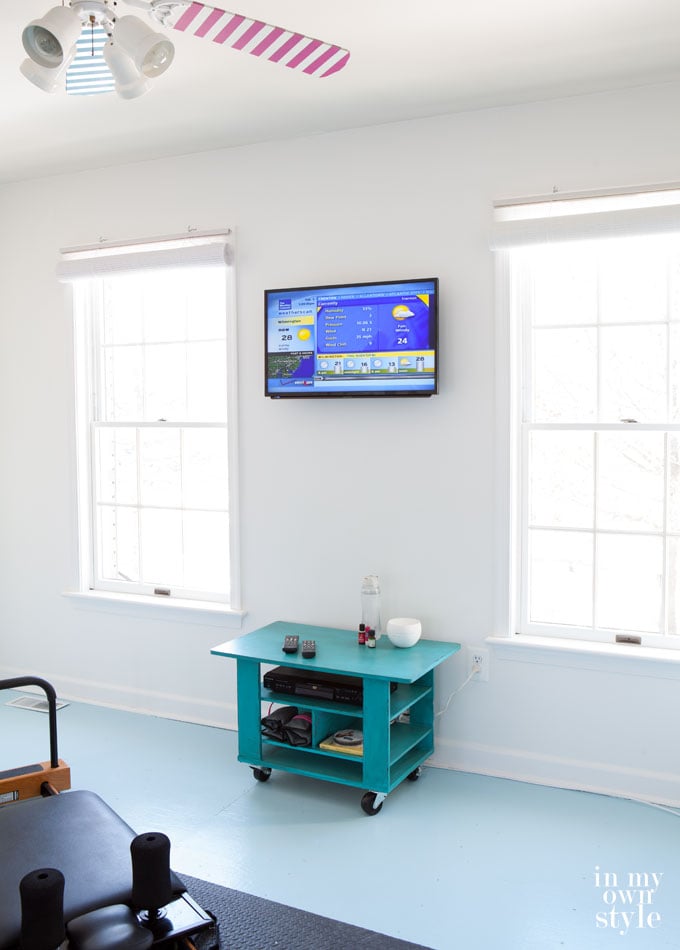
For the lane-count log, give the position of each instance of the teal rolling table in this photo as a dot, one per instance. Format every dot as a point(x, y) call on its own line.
point(393, 750)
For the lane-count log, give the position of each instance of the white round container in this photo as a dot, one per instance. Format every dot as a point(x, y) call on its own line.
point(404, 631)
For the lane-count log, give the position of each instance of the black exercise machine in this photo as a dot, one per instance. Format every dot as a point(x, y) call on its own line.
point(28, 780)
point(73, 870)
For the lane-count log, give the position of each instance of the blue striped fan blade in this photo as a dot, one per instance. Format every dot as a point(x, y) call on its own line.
point(88, 73)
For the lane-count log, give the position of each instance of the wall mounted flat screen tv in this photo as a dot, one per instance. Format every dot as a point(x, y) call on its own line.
point(375, 339)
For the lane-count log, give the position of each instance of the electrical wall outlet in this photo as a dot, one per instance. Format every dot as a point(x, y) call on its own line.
point(479, 657)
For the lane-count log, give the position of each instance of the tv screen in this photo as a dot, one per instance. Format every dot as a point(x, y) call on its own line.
point(375, 339)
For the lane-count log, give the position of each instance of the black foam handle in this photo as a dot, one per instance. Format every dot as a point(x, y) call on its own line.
point(151, 881)
point(42, 910)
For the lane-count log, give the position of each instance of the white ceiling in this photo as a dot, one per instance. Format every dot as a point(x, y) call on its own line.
point(410, 58)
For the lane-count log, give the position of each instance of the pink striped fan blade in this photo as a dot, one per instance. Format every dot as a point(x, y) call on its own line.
point(278, 45)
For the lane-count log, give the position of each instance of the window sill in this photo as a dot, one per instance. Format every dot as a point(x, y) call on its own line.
point(177, 611)
point(582, 655)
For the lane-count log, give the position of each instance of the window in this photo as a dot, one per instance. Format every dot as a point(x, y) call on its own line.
point(595, 323)
point(153, 326)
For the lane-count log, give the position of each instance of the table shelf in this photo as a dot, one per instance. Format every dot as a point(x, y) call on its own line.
point(309, 702)
point(406, 696)
point(307, 762)
point(404, 737)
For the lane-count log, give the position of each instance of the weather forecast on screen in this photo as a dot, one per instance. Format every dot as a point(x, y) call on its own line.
point(368, 339)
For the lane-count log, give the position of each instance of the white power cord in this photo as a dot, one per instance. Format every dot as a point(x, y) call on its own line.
point(640, 801)
point(669, 808)
point(473, 672)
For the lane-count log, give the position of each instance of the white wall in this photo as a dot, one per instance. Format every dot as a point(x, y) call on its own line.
point(334, 489)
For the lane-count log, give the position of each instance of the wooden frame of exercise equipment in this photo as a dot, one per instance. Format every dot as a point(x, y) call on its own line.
point(40, 778)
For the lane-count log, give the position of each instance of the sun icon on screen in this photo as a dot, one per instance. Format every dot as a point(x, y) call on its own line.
point(304, 334)
point(401, 312)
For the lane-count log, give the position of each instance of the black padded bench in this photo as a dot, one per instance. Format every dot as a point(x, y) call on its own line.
point(80, 835)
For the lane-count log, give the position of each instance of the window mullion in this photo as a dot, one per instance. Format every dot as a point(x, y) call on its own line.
point(598, 345)
point(523, 540)
point(595, 546)
point(664, 555)
point(94, 332)
point(182, 511)
point(140, 548)
point(522, 302)
point(669, 404)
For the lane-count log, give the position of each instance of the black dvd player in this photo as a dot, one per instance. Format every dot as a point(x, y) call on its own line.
point(333, 686)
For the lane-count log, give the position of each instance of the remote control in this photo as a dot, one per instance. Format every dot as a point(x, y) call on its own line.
point(290, 643)
point(308, 649)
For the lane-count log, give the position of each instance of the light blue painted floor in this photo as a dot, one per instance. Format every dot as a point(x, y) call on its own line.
point(452, 860)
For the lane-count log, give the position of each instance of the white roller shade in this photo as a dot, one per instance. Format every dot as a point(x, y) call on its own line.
point(555, 228)
point(83, 264)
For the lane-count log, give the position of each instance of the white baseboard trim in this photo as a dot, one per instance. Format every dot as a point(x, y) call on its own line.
point(517, 764)
point(151, 703)
point(520, 765)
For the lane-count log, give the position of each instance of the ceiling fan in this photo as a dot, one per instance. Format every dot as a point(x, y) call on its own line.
point(86, 48)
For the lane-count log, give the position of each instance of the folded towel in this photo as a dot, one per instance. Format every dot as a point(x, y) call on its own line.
point(273, 725)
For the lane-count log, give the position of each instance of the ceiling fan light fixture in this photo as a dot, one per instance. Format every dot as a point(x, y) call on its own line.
point(130, 83)
point(50, 40)
point(94, 51)
point(151, 52)
point(46, 79)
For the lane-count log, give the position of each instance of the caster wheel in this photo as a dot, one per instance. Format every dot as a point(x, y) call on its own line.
point(262, 774)
point(414, 775)
point(368, 803)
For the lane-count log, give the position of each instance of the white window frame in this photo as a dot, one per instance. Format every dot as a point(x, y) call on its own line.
point(518, 225)
point(80, 265)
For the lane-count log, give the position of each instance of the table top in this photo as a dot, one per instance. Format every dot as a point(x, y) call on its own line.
point(338, 651)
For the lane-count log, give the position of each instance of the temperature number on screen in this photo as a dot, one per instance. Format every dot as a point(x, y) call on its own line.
point(402, 341)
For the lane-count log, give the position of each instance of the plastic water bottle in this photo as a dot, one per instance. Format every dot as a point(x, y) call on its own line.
point(370, 604)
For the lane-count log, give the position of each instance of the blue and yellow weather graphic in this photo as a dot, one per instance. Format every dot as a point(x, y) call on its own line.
point(386, 324)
